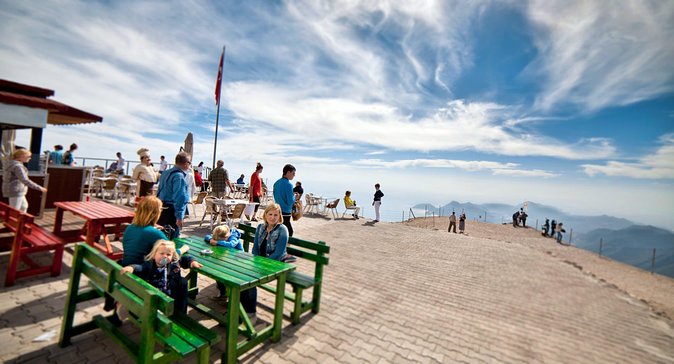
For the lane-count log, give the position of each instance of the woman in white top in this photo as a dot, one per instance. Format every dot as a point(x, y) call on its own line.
point(144, 174)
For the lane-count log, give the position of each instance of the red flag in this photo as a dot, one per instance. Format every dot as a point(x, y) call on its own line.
point(219, 82)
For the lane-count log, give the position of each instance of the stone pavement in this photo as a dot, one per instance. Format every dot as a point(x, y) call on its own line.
point(395, 294)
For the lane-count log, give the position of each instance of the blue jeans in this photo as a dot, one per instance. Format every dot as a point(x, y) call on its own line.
point(559, 236)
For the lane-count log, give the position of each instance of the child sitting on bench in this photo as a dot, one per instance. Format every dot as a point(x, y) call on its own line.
point(162, 270)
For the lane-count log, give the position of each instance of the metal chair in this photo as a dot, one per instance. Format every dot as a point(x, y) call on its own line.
point(332, 206)
point(211, 209)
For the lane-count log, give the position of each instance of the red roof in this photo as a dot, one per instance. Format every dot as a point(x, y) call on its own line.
point(14, 93)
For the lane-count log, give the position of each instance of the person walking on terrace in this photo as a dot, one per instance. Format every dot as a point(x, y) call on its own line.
point(284, 195)
point(452, 222)
point(15, 182)
point(377, 202)
point(255, 188)
point(219, 180)
point(173, 193)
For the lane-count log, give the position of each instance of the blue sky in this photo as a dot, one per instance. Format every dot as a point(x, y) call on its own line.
point(567, 103)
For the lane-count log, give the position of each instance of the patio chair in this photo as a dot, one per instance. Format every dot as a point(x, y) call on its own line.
point(311, 203)
point(354, 208)
point(198, 201)
point(125, 189)
point(332, 206)
point(109, 185)
point(210, 209)
point(236, 212)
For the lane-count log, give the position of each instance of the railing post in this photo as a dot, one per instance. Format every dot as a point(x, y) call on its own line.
point(570, 236)
point(653, 262)
point(601, 243)
point(536, 224)
point(403, 216)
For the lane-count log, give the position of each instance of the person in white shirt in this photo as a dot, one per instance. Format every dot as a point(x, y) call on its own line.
point(163, 164)
point(121, 162)
point(144, 174)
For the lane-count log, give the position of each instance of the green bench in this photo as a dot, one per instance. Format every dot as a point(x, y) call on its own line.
point(303, 249)
point(176, 335)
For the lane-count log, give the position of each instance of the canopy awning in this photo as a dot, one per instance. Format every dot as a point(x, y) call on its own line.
point(13, 93)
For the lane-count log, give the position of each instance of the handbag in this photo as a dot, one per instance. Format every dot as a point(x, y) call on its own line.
point(297, 210)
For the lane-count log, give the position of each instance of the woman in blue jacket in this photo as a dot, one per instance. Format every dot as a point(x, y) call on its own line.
point(271, 240)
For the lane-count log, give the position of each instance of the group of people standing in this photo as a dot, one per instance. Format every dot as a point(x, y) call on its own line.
point(520, 217)
point(452, 223)
point(58, 156)
point(553, 229)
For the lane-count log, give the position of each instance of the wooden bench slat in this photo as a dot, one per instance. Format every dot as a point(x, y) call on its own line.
point(309, 256)
point(302, 280)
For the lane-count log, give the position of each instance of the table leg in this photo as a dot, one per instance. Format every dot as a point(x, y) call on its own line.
point(234, 293)
point(118, 231)
point(91, 233)
point(278, 308)
point(58, 220)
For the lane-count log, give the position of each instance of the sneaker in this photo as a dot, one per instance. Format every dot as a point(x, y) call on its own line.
point(115, 320)
point(289, 259)
point(253, 318)
point(219, 297)
point(375, 220)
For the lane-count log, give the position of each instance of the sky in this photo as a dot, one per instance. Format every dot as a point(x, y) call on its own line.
point(565, 103)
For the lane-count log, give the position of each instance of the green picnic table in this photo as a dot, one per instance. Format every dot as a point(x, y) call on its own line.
point(238, 271)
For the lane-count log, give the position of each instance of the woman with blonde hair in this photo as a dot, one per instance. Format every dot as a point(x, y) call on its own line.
point(141, 234)
point(15, 182)
point(271, 240)
point(144, 174)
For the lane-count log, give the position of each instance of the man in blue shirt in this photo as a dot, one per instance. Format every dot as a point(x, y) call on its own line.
point(173, 193)
point(56, 157)
point(284, 195)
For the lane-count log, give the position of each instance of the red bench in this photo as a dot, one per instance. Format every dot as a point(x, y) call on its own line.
point(28, 238)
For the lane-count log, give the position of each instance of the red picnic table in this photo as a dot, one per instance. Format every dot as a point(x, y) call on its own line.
point(98, 215)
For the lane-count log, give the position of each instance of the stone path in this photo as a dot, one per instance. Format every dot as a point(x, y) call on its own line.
point(394, 293)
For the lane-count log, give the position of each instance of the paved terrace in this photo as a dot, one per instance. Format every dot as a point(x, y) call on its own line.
point(395, 293)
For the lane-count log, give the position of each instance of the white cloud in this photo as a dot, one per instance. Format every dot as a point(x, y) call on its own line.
point(497, 168)
point(460, 126)
point(597, 54)
point(659, 165)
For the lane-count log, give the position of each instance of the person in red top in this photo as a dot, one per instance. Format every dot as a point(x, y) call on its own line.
point(198, 181)
point(255, 188)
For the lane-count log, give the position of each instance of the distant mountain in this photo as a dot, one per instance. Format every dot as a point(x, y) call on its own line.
point(634, 245)
point(497, 213)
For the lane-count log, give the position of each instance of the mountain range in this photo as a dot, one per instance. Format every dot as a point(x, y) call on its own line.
point(622, 239)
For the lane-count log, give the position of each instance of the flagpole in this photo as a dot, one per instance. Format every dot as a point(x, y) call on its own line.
point(217, 99)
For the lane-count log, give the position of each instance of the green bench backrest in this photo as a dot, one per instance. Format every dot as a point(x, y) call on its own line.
point(138, 296)
point(297, 247)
